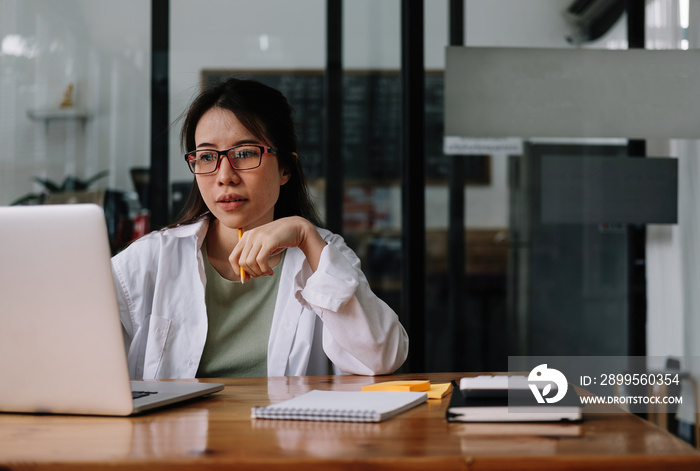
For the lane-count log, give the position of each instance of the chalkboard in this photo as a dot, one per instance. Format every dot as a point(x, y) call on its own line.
point(371, 122)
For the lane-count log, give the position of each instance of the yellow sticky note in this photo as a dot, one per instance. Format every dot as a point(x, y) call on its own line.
point(438, 391)
point(416, 385)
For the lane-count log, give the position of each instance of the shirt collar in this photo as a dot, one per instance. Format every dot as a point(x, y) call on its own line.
point(197, 228)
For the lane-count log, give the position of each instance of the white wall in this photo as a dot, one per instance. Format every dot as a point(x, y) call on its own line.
point(103, 48)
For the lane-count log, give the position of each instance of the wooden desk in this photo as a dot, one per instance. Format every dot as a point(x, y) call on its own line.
point(218, 433)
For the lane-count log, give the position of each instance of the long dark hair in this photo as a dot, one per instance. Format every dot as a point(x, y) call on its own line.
point(265, 112)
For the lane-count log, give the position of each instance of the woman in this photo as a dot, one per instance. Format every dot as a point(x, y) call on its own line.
point(246, 283)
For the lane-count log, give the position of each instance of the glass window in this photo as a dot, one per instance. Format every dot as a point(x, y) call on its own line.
point(74, 93)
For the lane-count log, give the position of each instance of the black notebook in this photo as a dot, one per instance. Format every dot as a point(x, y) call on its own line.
point(504, 405)
point(342, 406)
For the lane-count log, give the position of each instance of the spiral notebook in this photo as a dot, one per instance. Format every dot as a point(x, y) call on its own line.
point(342, 406)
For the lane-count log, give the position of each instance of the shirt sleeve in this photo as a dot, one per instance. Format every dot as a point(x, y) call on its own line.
point(331, 286)
point(362, 334)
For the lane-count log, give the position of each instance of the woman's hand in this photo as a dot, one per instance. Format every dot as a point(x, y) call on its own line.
point(256, 250)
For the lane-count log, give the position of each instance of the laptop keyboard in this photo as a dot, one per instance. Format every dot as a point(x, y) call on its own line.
point(138, 394)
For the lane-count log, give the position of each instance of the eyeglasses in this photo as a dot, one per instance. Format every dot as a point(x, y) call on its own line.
point(243, 157)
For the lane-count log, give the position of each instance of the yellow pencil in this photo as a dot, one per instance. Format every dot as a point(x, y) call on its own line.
point(242, 273)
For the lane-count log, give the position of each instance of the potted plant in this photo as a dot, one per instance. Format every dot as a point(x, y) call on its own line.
point(70, 186)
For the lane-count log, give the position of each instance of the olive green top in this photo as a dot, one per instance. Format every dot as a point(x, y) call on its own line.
point(240, 318)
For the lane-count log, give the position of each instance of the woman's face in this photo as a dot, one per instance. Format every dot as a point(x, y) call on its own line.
point(237, 198)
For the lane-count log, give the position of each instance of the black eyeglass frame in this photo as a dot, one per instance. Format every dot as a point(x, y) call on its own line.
point(225, 153)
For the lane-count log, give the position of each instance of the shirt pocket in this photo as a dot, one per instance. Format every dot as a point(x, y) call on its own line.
point(155, 346)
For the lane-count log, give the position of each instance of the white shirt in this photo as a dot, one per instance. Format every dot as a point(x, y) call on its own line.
point(330, 314)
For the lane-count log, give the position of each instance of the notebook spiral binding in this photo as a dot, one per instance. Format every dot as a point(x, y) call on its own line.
point(334, 415)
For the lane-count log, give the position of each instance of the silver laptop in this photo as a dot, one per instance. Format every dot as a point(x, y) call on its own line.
point(61, 344)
